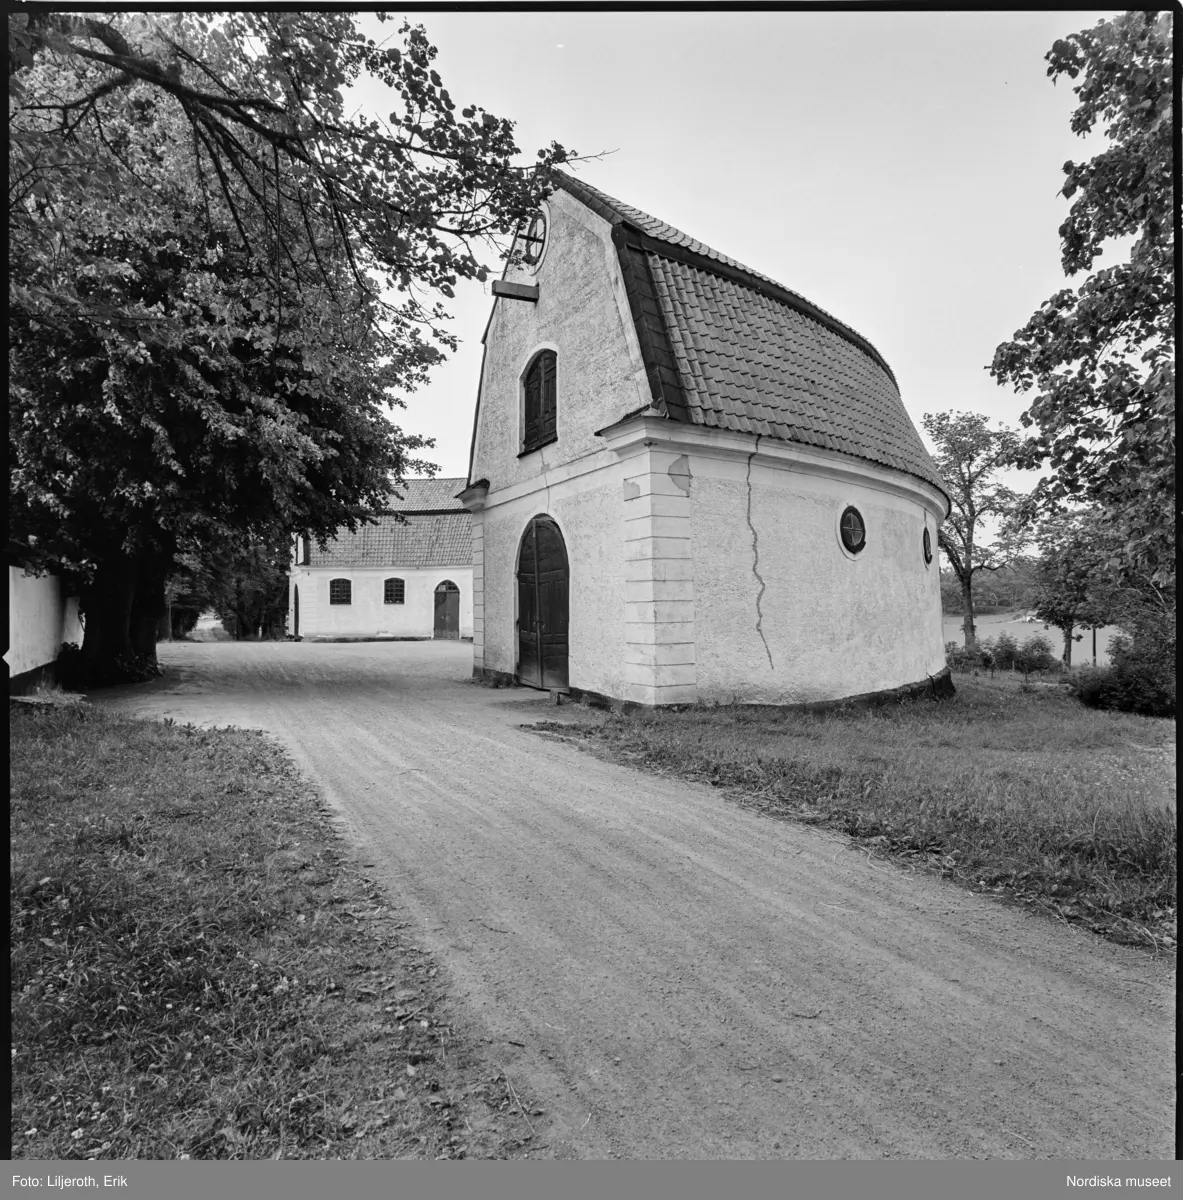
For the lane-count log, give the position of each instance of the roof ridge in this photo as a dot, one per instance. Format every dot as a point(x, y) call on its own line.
point(616, 212)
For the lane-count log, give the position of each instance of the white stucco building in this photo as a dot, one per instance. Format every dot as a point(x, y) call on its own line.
point(41, 617)
point(689, 483)
point(408, 576)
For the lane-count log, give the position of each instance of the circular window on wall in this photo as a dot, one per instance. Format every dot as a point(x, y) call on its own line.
point(852, 530)
point(927, 547)
point(534, 239)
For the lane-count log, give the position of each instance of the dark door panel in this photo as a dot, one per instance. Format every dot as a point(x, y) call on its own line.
point(447, 610)
point(543, 585)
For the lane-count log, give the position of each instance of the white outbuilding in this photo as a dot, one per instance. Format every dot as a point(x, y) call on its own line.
point(407, 576)
point(688, 483)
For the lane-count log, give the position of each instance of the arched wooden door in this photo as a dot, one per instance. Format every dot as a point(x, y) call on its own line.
point(447, 610)
point(543, 584)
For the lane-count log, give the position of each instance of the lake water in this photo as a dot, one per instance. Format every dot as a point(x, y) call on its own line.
point(991, 625)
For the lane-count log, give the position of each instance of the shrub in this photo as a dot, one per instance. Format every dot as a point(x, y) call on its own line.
point(1036, 654)
point(1150, 693)
point(1136, 681)
point(1006, 652)
point(986, 657)
point(73, 673)
point(1141, 674)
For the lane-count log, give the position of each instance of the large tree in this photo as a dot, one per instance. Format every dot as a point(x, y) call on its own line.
point(1099, 360)
point(203, 250)
point(1070, 572)
point(969, 454)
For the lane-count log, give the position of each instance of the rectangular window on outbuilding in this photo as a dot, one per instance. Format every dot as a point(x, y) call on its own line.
point(541, 402)
point(395, 591)
point(340, 591)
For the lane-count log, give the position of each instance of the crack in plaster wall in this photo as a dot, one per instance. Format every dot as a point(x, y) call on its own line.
point(756, 559)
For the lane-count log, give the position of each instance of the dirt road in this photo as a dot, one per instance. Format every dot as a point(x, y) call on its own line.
point(671, 976)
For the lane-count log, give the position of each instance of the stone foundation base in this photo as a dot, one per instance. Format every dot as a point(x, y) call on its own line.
point(933, 687)
point(30, 681)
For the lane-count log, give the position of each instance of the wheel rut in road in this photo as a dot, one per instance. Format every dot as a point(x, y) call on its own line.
point(669, 975)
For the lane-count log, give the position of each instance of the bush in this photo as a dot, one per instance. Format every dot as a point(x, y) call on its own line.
point(962, 658)
point(1036, 654)
point(1140, 678)
point(1006, 652)
point(73, 673)
point(980, 657)
point(1127, 689)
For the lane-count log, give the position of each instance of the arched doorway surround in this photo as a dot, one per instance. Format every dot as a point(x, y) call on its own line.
point(543, 587)
point(447, 610)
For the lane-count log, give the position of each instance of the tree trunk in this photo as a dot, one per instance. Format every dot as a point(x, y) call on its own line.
point(1067, 645)
point(107, 601)
point(148, 609)
point(967, 624)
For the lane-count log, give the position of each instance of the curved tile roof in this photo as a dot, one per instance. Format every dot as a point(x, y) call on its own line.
point(729, 348)
point(615, 211)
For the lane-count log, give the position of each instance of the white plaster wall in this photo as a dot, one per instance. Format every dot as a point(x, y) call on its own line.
point(589, 511)
point(40, 619)
point(833, 625)
point(582, 314)
point(369, 615)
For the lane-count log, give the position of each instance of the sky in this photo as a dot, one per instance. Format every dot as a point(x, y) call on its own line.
point(901, 170)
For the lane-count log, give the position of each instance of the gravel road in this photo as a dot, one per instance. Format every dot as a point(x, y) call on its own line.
point(670, 976)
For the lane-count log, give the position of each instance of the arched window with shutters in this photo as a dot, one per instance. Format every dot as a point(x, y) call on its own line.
point(540, 399)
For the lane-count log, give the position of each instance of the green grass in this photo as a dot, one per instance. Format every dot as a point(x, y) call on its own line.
point(1015, 790)
point(198, 970)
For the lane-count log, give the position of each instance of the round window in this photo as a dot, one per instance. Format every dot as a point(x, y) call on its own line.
point(534, 239)
point(927, 547)
point(852, 530)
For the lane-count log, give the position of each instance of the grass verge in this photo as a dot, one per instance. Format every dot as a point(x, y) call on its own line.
point(198, 968)
point(1015, 790)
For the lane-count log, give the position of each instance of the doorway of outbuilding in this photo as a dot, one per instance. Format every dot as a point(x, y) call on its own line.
point(447, 610)
point(296, 611)
point(543, 587)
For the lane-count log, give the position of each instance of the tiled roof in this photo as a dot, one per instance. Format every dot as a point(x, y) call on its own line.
point(615, 211)
point(419, 540)
point(728, 348)
point(750, 364)
point(428, 495)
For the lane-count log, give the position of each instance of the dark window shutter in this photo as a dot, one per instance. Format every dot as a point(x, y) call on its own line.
point(549, 389)
point(533, 403)
point(541, 401)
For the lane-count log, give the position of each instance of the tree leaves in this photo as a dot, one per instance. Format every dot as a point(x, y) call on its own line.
point(1100, 360)
point(401, 206)
point(196, 255)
